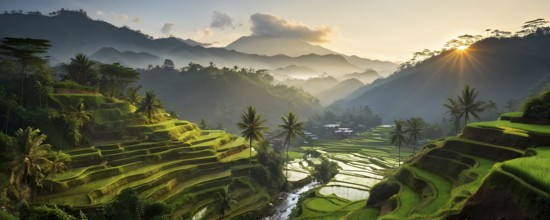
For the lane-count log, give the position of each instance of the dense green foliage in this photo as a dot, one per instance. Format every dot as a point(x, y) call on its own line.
point(324, 171)
point(538, 107)
point(220, 93)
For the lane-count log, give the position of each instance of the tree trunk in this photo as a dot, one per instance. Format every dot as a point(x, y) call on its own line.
point(250, 159)
point(399, 155)
point(286, 176)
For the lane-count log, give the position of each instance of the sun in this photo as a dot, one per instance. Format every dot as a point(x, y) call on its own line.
point(462, 48)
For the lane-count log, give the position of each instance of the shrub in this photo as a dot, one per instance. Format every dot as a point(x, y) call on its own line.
point(156, 210)
point(538, 107)
point(325, 171)
point(45, 213)
point(128, 205)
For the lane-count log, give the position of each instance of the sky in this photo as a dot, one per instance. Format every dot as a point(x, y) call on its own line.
point(377, 29)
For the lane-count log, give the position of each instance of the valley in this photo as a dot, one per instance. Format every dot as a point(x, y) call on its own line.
point(256, 114)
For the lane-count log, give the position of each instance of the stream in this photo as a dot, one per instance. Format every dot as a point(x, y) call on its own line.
point(282, 212)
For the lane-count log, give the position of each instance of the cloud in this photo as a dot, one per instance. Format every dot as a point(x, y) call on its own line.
point(167, 28)
point(221, 20)
point(271, 25)
point(113, 15)
point(136, 20)
point(203, 33)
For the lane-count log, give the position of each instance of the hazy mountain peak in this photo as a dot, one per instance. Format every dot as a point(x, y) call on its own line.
point(269, 45)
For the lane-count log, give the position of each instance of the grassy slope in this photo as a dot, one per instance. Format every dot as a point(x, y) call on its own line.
point(177, 159)
point(452, 195)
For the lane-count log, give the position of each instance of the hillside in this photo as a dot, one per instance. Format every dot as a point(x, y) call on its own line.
point(220, 95)
point(314, 85)
point(271, 46)
point(338, 91)
point(163, 159)
point(366, 77)
point(501, 69)
point(493, 170)
point(293, 71)
point(111, 55)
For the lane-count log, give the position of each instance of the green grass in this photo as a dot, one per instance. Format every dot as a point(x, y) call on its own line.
point(295, 155)
point(539, 129)
point(512, 115)
point(407, 200)
point(441, 188)
point(363, 214)
point(534, 170)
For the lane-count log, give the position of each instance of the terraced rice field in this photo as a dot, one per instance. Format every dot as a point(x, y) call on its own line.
point(363, 161)
point(163, 159)
point(448, 173)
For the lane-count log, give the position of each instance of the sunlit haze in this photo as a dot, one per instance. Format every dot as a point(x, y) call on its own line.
point(388, 30)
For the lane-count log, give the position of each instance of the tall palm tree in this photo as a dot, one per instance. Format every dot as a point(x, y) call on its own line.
point(414, 127)
point(398, 137)
point(150, 104)
point(252, 128)
point(291, 130)
point(78, 117)
point(132, 95)
point(80, 70)
point(31, 165)
point(469, 104)
point(455, 111)
point(202, 124)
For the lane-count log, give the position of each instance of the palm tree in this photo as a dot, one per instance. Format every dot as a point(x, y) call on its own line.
point(224, 201)
point(80, 70)
point(78, 117)
point(60, 162)
point(414, 127)
point(202, 124)
point(43, 91)
point(132, 95)
point(31, 165)
point(291, 129)
point(455, 111)
point(150, 104)
point(398, 137)
point(252, 128)
point(469, 104)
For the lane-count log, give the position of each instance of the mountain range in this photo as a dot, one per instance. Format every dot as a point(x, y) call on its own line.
point(501, 69)
point(72, 32)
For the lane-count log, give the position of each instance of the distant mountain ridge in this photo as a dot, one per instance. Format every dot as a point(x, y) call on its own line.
point(73, 32)
point(271, 46)
point(501, 69)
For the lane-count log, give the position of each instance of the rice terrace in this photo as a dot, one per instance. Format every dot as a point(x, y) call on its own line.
point(273, 111)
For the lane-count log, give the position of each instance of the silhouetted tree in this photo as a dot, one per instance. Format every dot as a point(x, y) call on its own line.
point(414, 127)
point(203, 124)
point(27, 52)
point(168, 64)
point(252, 128)
point(455, 112)
point(469, 104)
point(80, 70)
point(31, 164)
point(291, 130)
point(150, 104)
point(132, 95)
point(398, 137)
point(115, 78)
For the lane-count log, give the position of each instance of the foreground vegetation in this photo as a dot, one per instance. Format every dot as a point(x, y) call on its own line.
point(481, 173)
